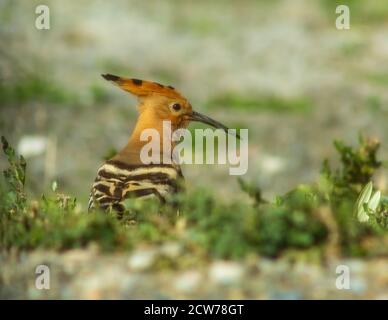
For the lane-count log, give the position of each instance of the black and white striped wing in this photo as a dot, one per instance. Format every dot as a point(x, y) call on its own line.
point(117, 181)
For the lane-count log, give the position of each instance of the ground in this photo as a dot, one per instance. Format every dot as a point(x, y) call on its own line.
point(86, 274)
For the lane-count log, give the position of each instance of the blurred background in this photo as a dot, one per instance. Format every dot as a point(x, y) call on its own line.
point(279, 68)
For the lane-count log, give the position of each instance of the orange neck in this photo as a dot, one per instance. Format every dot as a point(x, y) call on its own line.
point(147, 119)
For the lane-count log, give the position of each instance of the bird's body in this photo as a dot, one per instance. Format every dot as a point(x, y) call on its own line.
point(127, 175)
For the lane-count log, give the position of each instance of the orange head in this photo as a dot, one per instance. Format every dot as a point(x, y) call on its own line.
point(160, 103)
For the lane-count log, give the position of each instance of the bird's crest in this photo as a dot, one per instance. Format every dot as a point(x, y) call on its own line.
point(142, 88)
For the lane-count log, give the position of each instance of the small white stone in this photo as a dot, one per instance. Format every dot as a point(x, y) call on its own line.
point(272, 164)
point(188, 281)
point(226, 272)
point(141, 259)
point(171, 249)
point(30, 146)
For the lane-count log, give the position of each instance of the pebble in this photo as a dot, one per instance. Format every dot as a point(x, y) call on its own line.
point(141, 259)
point(225, 272)
point(171, 249)
point(188, 281)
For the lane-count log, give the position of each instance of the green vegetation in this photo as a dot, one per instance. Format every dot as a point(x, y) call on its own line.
point(260, 103)
point(99, 94)
point(378, 78)
point(33, 88)
point(316, 217)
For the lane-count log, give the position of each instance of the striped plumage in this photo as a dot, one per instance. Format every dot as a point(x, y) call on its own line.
point(117, 181)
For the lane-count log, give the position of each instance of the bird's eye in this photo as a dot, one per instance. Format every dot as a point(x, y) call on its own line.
point(176, 106)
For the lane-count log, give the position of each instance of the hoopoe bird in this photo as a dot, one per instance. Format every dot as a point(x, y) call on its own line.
point(125, 175)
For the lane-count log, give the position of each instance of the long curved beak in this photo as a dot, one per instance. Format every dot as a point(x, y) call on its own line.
point(199, 117)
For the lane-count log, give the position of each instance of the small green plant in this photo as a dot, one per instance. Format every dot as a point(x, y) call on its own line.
point(15, 176)
point(51, 222)
point(366, 203)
